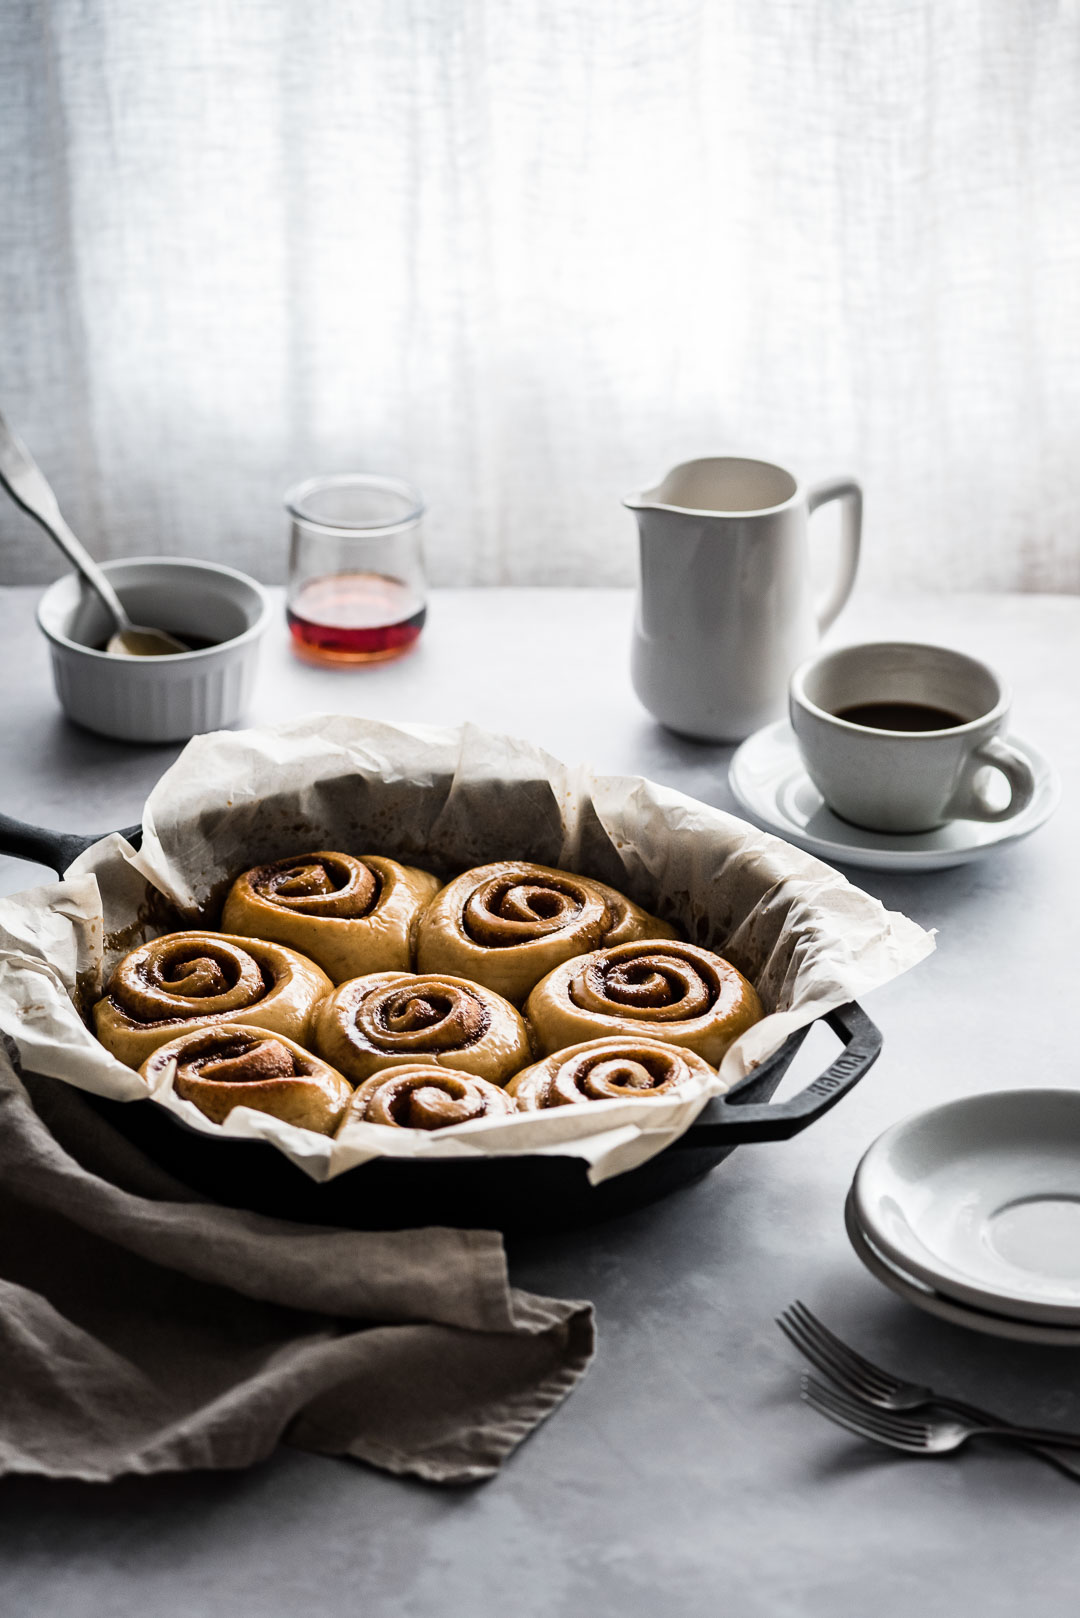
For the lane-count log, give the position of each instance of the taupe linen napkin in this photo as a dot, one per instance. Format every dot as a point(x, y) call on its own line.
point(145, 1330)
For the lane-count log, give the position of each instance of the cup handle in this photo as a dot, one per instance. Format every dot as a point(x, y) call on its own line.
point(968, 802)
point(847, 490)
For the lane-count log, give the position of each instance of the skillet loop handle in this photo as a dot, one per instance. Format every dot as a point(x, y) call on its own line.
point(43, 846)
point(739, 1117)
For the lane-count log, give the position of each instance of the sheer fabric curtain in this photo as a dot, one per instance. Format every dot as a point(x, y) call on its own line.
point(529, 253)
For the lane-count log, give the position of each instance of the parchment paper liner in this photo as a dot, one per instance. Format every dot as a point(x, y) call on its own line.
point(447, 799)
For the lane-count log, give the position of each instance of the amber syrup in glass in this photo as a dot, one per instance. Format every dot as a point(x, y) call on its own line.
point(354, 618)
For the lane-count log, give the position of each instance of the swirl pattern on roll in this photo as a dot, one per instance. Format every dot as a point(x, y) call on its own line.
point(508, 924)
point(626, 1067)
point(422, 1096)
point(675, 992)
point(319, 884)
point(348, 913)
point(388, 1018)
point(237, 1065)
point(194, 979)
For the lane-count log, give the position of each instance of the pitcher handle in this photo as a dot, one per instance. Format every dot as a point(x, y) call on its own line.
point(847, 490)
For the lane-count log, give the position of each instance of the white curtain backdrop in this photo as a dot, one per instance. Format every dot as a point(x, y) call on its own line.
point(530, 253)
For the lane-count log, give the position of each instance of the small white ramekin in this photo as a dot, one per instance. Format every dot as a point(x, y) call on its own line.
point(157, 699)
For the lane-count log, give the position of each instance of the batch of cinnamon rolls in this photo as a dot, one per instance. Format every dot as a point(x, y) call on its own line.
point(346, 989)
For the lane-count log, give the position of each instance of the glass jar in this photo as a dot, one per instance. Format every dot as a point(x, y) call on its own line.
point(356, 591)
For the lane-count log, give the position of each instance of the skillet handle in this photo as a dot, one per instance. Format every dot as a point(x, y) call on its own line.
point(739, 1117)
point(44, 846)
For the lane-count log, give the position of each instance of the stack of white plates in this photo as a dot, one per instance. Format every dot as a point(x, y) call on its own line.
point(972, 1212)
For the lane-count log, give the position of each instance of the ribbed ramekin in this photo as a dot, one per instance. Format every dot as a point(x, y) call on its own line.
point(157, 699)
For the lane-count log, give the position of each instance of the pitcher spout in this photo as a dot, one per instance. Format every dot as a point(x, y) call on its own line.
point(646, 500)
point(719, 486)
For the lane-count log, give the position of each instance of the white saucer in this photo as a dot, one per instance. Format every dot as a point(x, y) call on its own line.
point(980, 1200)
point(770, 783)
point(958, 1314)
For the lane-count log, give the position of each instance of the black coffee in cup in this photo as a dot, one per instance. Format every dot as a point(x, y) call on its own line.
point(900, 716)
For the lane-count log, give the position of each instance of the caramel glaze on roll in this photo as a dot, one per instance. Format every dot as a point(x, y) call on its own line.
point(507, 925)
point(418, 1095)
point(627, 1067)
point(388, 1018)
point(351, 915)
point(195, 980)
point(235, 1065)
point(678, 993)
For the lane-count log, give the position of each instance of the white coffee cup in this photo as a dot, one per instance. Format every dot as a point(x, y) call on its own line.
point(901, 780)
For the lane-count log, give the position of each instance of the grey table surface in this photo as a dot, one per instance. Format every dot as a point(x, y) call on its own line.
point(684, 1476)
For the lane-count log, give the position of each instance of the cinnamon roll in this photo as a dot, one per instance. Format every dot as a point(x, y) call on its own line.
point(235, 1065)
point(351, 915)
point(507, 925)
point(627, 1067)
point(419, 1096)
point(388, 1018)
point(196, 979)
point(678, 993)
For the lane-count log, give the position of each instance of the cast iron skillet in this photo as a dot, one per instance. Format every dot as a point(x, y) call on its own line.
point(518, 1194)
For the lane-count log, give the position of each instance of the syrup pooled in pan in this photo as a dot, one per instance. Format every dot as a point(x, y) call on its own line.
point(354, 618)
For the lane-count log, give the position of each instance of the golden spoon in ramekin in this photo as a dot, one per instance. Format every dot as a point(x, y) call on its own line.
point(28, 487)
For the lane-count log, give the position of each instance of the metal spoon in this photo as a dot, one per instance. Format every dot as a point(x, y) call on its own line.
point(25, 482)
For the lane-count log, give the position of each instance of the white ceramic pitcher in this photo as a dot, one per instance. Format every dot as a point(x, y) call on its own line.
point(725, 610)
